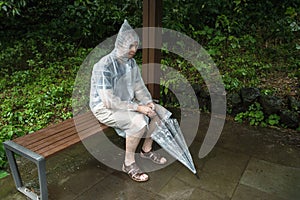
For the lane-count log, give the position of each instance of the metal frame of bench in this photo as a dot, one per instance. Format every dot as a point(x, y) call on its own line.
point(13, 148)
point(37, 146)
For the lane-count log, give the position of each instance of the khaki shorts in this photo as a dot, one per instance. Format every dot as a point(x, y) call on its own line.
point(125, 122)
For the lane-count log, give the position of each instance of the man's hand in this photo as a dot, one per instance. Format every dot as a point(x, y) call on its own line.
point(146, 110)
point(151, 105)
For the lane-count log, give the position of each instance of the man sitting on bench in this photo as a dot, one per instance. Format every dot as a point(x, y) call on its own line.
point(120, 99)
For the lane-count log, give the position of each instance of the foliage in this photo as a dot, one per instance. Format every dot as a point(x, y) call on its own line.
point(30, 53)
point(256, 117)
point(11, 7)
point(2, 155)
point(3, 174)
point(32, 99)
point(83, 22)
point(246, 40)
point(112, 14)
point(273, 120)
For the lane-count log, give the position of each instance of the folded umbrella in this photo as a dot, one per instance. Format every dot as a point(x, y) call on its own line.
point(174, 128)
point(169, 136)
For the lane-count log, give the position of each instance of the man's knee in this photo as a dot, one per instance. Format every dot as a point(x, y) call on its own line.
point(140, 133)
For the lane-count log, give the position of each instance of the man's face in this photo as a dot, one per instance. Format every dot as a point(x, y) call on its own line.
point(132, 49)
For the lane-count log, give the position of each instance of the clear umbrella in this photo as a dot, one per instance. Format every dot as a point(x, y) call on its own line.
point(169, 136)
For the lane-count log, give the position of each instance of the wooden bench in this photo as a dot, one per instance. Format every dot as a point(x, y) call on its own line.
point(39, 145)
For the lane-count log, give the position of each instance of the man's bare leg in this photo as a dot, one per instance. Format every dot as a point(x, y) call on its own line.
point(131, 144)
point(147, 146)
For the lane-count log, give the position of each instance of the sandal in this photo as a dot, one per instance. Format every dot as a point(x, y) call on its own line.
point(154, 157)
point(135, 173)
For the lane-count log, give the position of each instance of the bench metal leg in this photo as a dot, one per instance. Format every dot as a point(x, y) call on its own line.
point(42, 179)
point(12, 148)
point(14, 168)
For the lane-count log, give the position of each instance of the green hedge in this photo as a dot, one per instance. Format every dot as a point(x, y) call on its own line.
point(34, 98)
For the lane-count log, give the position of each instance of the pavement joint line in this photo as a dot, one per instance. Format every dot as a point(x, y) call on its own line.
point(239, 181)
point(89, 188)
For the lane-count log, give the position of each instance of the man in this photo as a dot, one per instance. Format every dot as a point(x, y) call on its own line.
point(120, 99)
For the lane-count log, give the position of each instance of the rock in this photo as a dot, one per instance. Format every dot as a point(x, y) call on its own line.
point(203, 99)
point(290, 119)
point(270, 104)
point(293, 104)
point(235, 103)
point(249, 95)
point(197, 88)
point(234, 99)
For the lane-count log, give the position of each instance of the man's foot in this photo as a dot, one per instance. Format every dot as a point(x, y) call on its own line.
point(135, 173)
point(154, 157)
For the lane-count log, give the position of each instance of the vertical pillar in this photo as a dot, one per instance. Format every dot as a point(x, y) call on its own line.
point(152, 17)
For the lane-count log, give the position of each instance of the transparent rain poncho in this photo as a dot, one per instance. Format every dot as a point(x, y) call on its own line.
point(117, 87)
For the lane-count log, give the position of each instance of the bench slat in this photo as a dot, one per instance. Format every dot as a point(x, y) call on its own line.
point(59, 136)
point(37, 136)
point(62, 144)
point(46, 132)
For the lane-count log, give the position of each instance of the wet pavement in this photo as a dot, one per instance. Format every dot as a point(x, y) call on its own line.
point(247, 163)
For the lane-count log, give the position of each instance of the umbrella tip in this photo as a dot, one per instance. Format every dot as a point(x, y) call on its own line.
point(196, 174)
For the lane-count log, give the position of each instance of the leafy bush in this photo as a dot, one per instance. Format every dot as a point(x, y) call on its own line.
point(11, 7)
point(33, 99)
point(273, 120)
point(29, 53)
point(255, 116)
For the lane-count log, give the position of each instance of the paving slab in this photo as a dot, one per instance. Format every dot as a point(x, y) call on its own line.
point(177, 189)
point(113, 187)
point(13, 196)
point(220, 174)
point(244, 192)
point(262, 143)
point(160, 178)
point(273, 179)
point(74, 184)
point(8, 189)
point(226, 164)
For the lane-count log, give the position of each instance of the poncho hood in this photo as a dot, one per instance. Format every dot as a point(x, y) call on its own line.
point(125, 38)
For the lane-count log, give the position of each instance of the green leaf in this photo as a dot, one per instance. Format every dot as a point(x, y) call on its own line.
point(3, 174)
point(4, 8)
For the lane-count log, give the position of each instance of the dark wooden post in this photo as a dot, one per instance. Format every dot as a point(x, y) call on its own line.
point(152, 17)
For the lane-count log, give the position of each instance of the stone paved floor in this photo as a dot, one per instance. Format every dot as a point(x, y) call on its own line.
point(247, 163)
